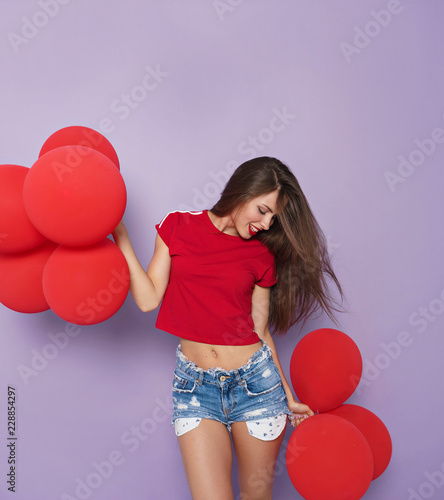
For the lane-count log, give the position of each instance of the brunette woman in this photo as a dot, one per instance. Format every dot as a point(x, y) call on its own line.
point(257, 261)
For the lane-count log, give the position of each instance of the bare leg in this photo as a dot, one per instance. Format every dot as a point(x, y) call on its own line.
point(207, 458)
point(256, 462)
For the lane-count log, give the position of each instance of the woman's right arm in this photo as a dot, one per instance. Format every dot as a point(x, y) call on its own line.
point(147, 287)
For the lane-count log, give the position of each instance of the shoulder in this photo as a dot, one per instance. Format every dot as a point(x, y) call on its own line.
point(175, 223)
point(179, 216)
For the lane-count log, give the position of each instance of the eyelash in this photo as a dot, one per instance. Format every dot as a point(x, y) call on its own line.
point(263, 213)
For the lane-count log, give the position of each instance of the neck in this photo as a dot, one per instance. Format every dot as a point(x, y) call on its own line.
point(224, 224)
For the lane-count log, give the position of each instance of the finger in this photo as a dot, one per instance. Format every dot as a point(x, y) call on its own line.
point(293, 420)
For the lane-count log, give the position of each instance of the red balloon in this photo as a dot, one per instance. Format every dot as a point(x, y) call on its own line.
point(17, 234)
point(80, 136)
point(325, 369)
point(86, 285)
point(328, 458)
point(74, 195)
point(21, 279)
point(373, 429)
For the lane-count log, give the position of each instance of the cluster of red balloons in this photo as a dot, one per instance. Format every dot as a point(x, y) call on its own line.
point(54, 221)
point(336, 453)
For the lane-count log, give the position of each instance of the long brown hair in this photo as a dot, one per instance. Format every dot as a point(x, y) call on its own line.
point(295, 239)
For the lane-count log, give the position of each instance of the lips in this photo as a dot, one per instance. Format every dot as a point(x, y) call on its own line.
point(252, 229)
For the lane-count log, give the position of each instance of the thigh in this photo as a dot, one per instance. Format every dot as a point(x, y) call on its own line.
point(256, 462)
point(207, 458)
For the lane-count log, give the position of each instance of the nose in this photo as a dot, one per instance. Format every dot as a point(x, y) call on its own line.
point(266, 221)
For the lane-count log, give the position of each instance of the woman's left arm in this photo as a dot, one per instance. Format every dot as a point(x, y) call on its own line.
point(260, 306)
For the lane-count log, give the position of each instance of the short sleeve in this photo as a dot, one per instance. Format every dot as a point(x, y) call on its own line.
point(166, 227)
point(269, 276)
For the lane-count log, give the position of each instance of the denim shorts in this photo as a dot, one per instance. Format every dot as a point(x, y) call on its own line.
point(252, 393)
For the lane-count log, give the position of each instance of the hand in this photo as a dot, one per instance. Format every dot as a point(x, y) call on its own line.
point(300, 412)
point(119, 231)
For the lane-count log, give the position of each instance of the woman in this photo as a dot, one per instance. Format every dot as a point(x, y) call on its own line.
point(256, 260)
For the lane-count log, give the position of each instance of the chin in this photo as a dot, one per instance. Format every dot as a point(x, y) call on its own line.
point(245, 235)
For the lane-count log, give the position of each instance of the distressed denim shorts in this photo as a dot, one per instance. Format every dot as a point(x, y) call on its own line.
point(252, 393)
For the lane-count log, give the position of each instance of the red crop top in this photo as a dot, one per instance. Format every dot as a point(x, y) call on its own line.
point(213, 274)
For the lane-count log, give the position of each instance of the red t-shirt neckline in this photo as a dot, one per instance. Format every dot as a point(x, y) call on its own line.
point(212, 226)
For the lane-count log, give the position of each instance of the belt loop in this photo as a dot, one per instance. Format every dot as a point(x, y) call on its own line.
point(200, 379)
point(238, 377)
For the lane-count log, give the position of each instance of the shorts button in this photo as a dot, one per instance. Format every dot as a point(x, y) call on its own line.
point(223, 378)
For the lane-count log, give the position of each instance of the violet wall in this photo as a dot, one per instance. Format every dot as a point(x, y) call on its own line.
point(340, 91)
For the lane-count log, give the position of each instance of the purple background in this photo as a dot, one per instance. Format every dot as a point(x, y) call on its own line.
point(353, 104)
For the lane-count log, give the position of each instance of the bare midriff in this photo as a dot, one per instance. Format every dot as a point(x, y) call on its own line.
point(228, 357)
